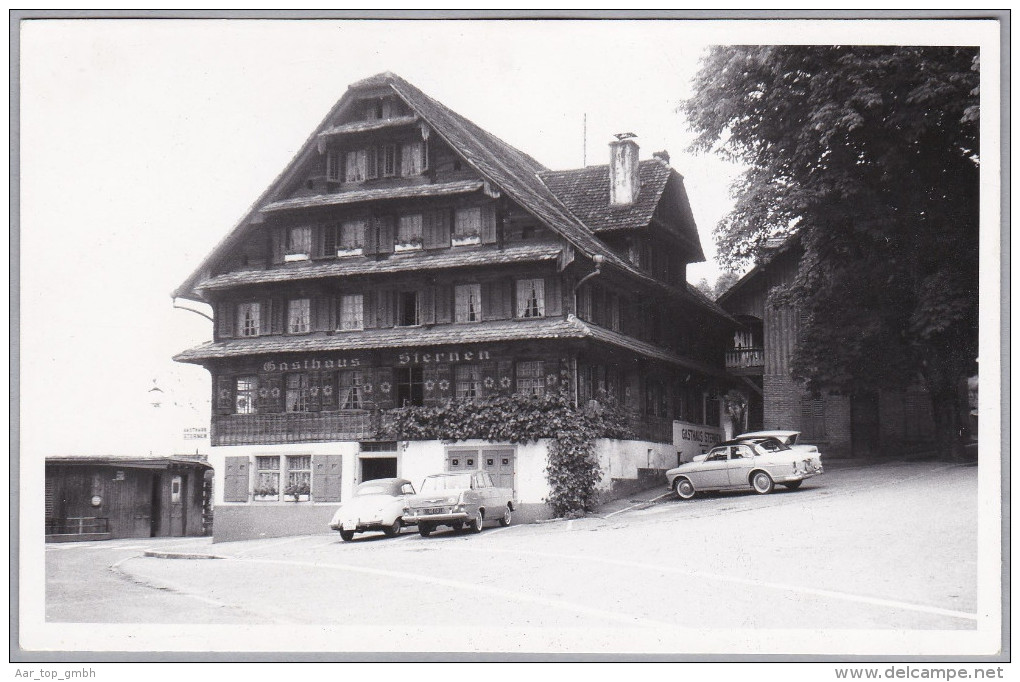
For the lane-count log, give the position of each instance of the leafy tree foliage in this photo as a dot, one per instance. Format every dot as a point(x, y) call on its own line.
point(870, 155)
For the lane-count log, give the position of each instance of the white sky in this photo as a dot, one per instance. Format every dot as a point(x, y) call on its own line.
point(143, 142)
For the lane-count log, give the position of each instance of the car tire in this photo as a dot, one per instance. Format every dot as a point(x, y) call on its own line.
point(394, 530)
point(683, 488)
point(347, 535)
point(793, 485)
point(424, 530)
point(476, 522)
point(762, 483)
point(507, 517)
point(457, 527)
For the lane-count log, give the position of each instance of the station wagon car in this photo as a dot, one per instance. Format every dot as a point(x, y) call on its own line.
point(758, 464)
point(458, 500)
point(378, 504)
point(789, 438)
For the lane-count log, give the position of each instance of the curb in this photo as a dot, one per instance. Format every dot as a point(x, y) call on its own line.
point(156, 554)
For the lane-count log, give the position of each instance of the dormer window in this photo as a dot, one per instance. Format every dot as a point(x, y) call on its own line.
point(299, 243)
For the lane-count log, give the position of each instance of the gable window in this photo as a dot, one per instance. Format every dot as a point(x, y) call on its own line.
point(468, 302)
point(267, 476)
point(410, 389)
point(249, 319)
point(298, 315)
point(299, 243)
point(530, 377)
point(530, 298)
point(388, 160)
point(357, 166)
point(468, 379)
point(412, 159)
point(350, 390)
point(409, 232)
point(351, 240)
point(334, 166)
point(467, 226)
point(407, 309)
point(297, 392)
point(352, 312)
point(244, 400)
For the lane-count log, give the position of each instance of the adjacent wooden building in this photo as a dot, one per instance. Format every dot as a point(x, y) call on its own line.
point(404, 257)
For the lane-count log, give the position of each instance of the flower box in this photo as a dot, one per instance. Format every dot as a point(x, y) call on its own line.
point(295, 257)
point(466, 240)
point(343, 253)
point(409, 246)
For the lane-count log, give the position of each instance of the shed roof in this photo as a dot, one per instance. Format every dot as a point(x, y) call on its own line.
point(128, 462)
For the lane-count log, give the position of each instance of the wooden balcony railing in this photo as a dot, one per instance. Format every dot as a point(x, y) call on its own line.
point(294, 427)
point(745, 358)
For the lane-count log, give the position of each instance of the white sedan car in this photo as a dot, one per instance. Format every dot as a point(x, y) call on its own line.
point(757, 463)
point(790, 439)
point(377, 505)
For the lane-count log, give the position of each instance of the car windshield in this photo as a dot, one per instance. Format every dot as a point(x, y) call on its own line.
point(384, 487)
point(770, 444)
point(433, 483)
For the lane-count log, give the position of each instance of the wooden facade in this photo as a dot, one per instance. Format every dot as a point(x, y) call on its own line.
point(406, 257)
point(103, 498)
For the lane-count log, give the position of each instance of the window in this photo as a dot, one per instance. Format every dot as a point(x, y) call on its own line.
point(248, 319)
point(244, 397)
point(410, 386)
point(468, 302)
point(469, 381)
point(352, 237)
point(352, 312)
point(299, 475)
point(298, 315)
point(297, 392)
point(530, 298)
point(412, 159)
point(407, 308)
point(350, 390)
point(388, 160)
point(531, 377)
point(334, 168)
point(299, 243)
point(267, 476)
point(467, 222)
point(409, 230)
point(356, 168)
point(655, 399)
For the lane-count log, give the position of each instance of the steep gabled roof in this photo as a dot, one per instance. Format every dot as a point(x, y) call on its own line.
point(509, 169)
point(585, 191)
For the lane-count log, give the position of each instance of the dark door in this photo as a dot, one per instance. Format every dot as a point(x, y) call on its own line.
point(184, 504)
point(378, 467)
point(157, 506)
point(864, 425)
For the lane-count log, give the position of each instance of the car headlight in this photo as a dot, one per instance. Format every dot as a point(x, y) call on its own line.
point(452, 500)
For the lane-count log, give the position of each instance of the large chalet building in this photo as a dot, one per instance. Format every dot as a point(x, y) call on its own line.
point(406, 257)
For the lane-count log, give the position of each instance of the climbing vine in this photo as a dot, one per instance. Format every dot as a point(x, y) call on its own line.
point(573, 471)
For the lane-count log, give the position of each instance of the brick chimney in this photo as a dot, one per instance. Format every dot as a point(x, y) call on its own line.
point(624, 179)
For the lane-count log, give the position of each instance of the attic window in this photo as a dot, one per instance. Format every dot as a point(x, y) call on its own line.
point(299, 243)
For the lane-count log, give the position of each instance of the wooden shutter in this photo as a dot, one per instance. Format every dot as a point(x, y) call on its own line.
point(224, 320)
point(496, 300)
point(386, 233)
point(328, 387)
point(427, 305)
point(436, 226)
point(277, 315)
point(384, 378)
point(326, 477)
point(369, 318)
point(489, 224)
point(236, 479)
point(385, 304)
point(505, 379)
point(314, 392)
point(430, 375)
point(553, 297)
point(444, 304)
point(274, 397)
point(490, 378)
point(225, 394)
point(371, 237)
point(444, 377)
point(323, 313)
point(279, 244)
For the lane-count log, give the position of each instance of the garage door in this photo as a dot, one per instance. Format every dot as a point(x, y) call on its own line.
point(500, 462)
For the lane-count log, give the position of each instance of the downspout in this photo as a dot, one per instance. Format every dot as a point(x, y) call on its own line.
point(192, 310)
point(598, 259)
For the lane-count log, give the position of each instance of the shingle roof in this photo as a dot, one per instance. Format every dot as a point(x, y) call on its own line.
point(585, 191)
point(366, 126)
point(358, 196)
point(461, 257)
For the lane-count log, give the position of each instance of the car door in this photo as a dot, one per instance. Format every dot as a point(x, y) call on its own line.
point(714, 470)
point(741, 463)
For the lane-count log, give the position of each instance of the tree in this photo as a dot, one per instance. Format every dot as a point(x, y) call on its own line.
point(870, 156)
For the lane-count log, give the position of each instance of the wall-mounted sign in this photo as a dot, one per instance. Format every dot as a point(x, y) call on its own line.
point(311, 363)
point(694, 439)
point(197, 433)
point(417, 357)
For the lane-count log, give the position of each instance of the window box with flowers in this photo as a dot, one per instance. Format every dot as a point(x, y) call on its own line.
point(469, 239)
point(412, 245)
point(266, 493)
point(297, 492)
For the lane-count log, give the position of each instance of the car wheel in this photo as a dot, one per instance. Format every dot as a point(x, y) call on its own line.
point(475, 524)
point(507, 517)
point(457, 527)
point(762, 483)
point(347, 535)
point(684, 488)
point(394, 530)
point(424, 530)
point(793, 485)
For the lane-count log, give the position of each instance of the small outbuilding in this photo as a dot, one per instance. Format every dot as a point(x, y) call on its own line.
point(100, 498)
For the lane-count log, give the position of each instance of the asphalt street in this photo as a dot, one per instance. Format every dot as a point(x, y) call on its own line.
point(891, 546)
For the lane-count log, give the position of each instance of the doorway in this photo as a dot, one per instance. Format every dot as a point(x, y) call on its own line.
point(156, 506)
point(378, 467)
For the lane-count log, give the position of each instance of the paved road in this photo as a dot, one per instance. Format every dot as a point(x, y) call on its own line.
point(883, 547)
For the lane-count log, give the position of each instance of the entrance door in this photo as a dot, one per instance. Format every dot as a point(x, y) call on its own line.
point(156, 506)
point(378, 467)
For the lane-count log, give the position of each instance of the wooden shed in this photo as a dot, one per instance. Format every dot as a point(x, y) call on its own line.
point(99, 498)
